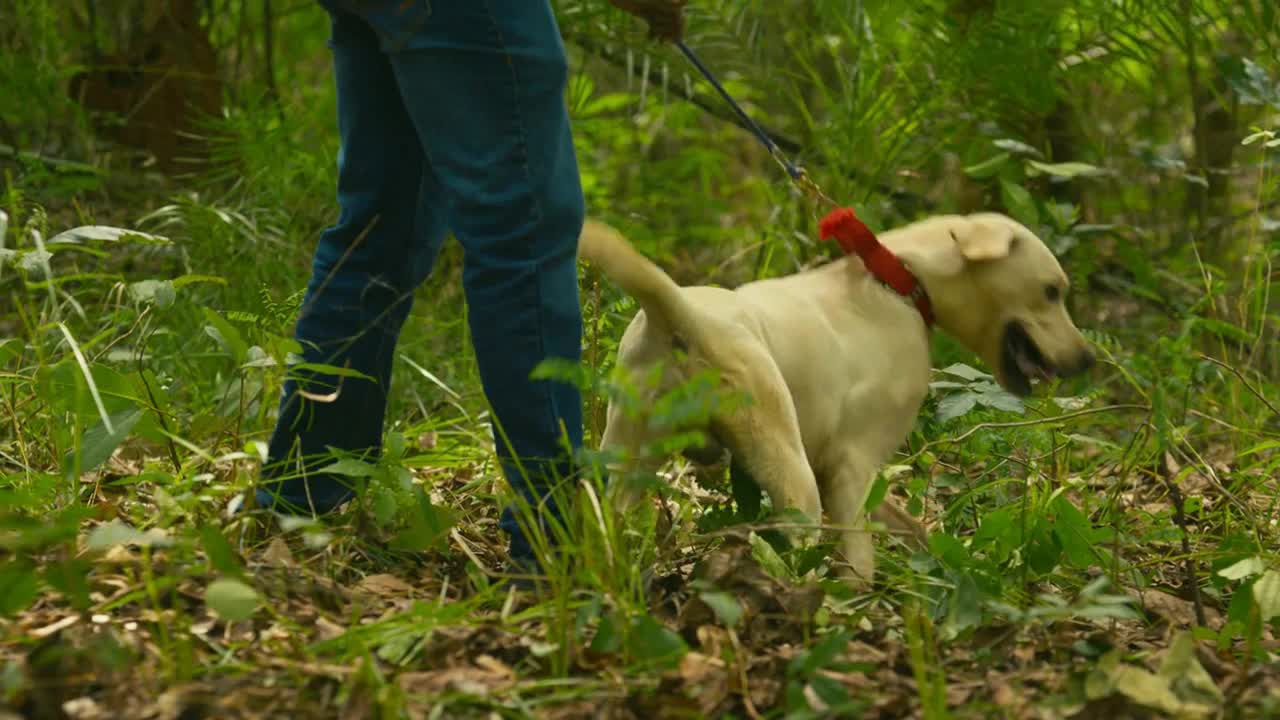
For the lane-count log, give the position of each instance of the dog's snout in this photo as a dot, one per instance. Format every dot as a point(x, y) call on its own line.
point(1084, 362)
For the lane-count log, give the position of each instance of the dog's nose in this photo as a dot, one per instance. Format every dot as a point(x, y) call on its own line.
point(1086, 361)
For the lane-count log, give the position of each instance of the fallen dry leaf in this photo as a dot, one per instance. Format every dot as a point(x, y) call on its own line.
point(386, 586)
point(278, 553)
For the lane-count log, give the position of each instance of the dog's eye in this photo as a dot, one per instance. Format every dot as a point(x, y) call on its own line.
point(1052, 293)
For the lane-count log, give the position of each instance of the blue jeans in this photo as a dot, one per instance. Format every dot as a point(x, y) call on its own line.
point(452, 117)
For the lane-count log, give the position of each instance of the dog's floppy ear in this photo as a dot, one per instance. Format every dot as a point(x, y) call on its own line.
point(980, 241)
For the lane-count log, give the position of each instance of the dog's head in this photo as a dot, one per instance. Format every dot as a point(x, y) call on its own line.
point(998, 289)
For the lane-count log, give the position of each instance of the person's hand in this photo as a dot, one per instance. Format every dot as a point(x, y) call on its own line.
point(665, 17)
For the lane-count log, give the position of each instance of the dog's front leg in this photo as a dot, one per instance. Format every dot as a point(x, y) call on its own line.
point(845, 500)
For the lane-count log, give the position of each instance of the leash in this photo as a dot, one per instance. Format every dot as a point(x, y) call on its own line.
point(840, 223)
point(795, 172)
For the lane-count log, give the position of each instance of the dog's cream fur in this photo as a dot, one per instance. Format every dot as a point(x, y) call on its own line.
point(836, 364)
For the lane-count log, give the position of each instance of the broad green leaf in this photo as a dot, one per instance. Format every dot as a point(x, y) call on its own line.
point(10, 348)
point(965, 609)
point(429, 525)
point(185, 280)
point(608, 639)
point(653, 642)
point(949, 550)
point(226, 335)
point(349, 467)
point(160, 293)
point(987, 168)
point(97, 444)
point(768, 558)
point(879, 488)
point(334, 370)
point(955, 405)
point(820, 655)
point(1243, 569)
point(19, 587)
point(1067, 169)
point(1266, 593)
point(231, 599)
point(222, 557)
point(1186, 677)
point(965, 371)
point(994, 396)
point(71, 578)
point(1022, 207)
point(105, 233)
point(1074, 532)
point(117, 532)
point(1016, 147)
point(724, 605)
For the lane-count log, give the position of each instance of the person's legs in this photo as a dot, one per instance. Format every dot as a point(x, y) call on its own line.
point(484, 84)
point(366, 266)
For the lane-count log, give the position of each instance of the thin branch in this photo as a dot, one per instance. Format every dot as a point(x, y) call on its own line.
point(1190, 584)
point(1248, 386)
point(1030, 423)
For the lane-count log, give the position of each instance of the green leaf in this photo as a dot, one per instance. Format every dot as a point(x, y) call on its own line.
point(1068, 170)
point(383, 504)
point(334, 370)
point(105, 233)
point(231, 599)
point(608, 639)
point(994, 396)
point(1244, 568)
point(653, 642)
point(1022, 207)
point(120, 533)
point(350, 467)
point(876, 495)
point(965, 371)
point(10, 348)
point(1074, 532)
point(1266, 593)
point(724, 605)
point(428, 527)
point(160, 293)
point(965, 609)
point(71, 578)
point(987, 168)
point(222, 557)
point(19, 587)
point(1187, 678)
point(185, 280)
point(226, 335)
point(97, 444)
point(820, 655)
point(1016, 147)
point(949, 550)
point(768, 558)
point(955, 405)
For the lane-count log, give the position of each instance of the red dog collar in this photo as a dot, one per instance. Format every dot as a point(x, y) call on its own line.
point(856, 238)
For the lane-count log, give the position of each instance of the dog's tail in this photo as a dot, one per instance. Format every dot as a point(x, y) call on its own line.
point(639, 277)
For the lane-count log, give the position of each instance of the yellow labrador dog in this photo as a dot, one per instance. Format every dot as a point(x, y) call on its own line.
point(837, 364)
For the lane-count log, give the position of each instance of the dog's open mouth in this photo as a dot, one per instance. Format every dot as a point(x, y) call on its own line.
point(1023, 361)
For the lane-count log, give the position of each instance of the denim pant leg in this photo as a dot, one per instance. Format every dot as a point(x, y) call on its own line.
point(484, 84)
point(364, 271)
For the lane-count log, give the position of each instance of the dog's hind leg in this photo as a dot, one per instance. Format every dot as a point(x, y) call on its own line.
point(764, 436)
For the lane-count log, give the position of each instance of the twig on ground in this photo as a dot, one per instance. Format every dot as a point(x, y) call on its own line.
point(1168, 473)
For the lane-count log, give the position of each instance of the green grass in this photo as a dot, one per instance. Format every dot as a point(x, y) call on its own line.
point(1104, 549)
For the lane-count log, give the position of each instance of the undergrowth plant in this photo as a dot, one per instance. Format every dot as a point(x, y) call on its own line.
point(1106, 546)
